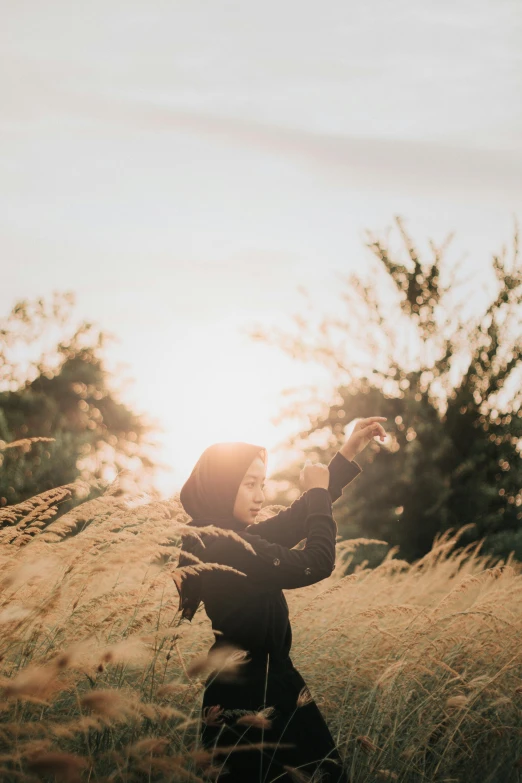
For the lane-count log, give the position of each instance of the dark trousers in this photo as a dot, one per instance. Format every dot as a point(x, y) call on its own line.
point(298, 737)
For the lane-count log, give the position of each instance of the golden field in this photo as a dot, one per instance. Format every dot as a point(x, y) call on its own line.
point(417, 668)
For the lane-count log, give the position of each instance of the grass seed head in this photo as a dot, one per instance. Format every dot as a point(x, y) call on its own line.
point(109, 703)
point(366, 744)
point(65, 767)
point(457, 702)
point(305, 697)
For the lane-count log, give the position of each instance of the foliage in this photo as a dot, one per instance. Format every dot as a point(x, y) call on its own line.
point(449, 383)
point(415, 667)
point(54, 385)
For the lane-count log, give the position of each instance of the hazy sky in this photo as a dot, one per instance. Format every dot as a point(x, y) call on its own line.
point(185, 166)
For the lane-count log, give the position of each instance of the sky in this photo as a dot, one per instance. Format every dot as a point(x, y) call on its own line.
point(186, 167)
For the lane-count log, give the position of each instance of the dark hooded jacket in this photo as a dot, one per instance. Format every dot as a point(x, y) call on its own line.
point(249, 609)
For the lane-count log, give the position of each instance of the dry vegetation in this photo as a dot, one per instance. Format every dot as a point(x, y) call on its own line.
point(417, 668)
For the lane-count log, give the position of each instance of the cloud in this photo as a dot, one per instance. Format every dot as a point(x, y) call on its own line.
point(367, 163)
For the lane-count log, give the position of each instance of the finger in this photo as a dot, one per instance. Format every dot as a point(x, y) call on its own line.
point(373, 431)
point(372, 419)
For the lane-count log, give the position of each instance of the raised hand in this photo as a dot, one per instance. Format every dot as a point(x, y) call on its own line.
point(316, 475)
point(363, 432)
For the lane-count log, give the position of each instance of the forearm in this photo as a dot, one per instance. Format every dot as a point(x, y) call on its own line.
point(290, 526)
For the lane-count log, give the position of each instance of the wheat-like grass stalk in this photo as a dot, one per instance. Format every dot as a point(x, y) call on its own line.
point(416, 667)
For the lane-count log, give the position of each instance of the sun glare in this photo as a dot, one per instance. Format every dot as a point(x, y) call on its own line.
point(222, 387)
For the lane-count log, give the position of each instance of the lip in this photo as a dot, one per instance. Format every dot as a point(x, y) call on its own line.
point(256, 510)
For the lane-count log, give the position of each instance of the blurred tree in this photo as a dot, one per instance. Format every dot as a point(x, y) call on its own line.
point(447, 380)
point(53, 384)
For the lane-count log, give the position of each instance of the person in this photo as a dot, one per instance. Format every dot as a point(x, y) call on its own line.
point(258, 717)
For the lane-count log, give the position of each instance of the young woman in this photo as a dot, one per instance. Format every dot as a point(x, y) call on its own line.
point(249, 610)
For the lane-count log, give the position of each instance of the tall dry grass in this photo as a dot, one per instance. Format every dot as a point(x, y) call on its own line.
point(417, 668)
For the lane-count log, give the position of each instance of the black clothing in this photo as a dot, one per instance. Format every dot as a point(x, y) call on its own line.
point(250, 611)
point(303, 729)
point(208, 496)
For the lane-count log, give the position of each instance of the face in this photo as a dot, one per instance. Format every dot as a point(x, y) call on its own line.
point(250, 495)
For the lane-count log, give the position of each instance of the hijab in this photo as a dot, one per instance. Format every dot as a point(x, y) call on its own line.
point(208, 496)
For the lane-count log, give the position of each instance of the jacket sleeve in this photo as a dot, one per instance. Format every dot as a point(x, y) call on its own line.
point(290, 526)
point(274, 565)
